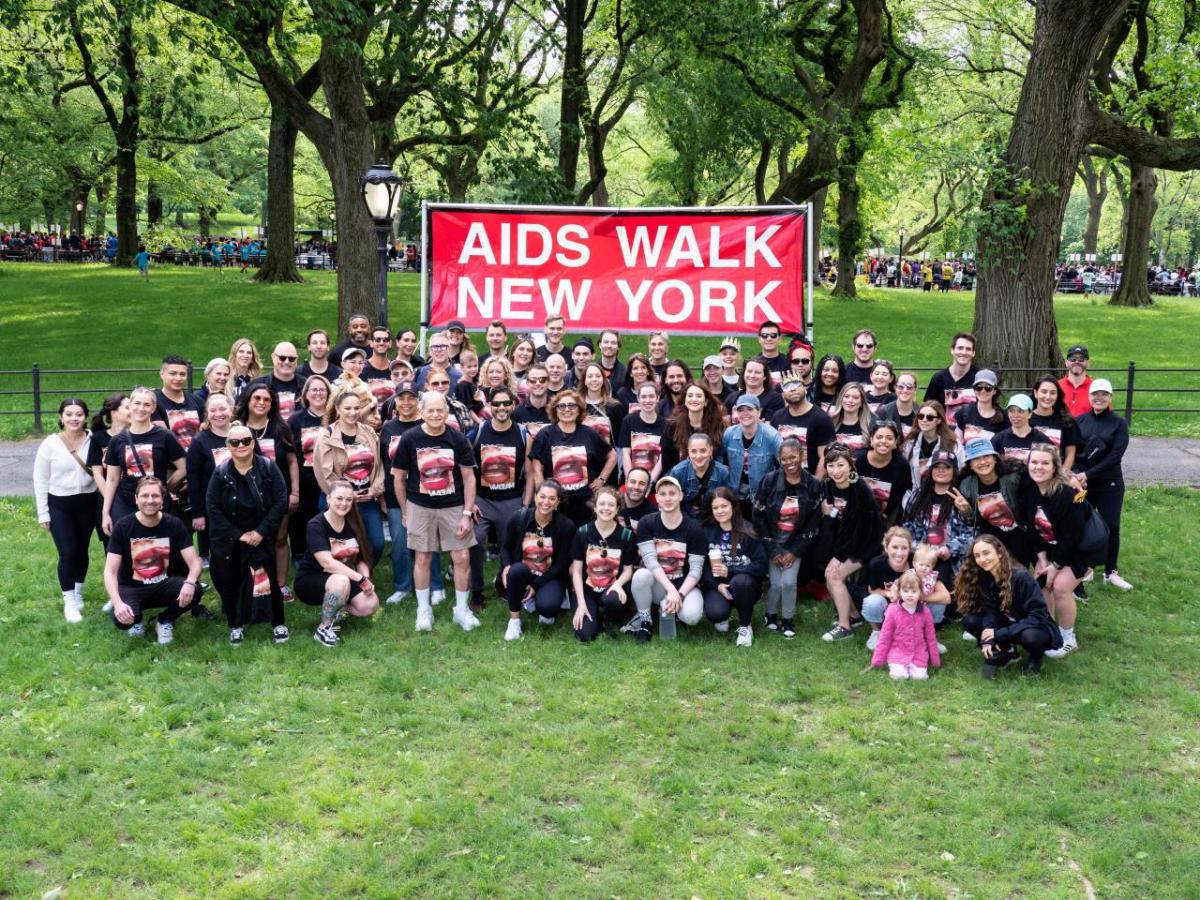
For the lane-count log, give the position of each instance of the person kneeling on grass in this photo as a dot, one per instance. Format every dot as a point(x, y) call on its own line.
point(535, 550)
point(736, 566)
point(850, 531)
point(672, 547)
point(907, 642)
point(335, 571)
point(139, 553)
point(603, 555)
point(934, 590)
point(1003, 608)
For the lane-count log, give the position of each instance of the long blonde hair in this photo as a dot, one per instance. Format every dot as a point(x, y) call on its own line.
point(255, 367)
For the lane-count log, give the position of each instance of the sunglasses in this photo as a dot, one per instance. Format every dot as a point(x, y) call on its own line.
point(801, 360)
point(906, 387)
point(286, 358)
point(439, 346)
point(928, 417)
point(538, 380)
point(769, 337)
point(438, 384)
point(501, 403)
point(382, 340)
point(864, 346)
point(240, 442)
point(983, 387)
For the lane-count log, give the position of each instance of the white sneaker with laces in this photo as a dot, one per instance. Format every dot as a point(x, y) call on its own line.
point(873, 640)
point(437, 597)
point(1069, 644)
point(721, 627)
point(165, 631)
point(395, 598)
point(513, 631)
point(424, 618)
point(1114, 579)
point(967, 636)
point(464, 620)
point(941, 647)
point(745, 636)
point(72, 611)
point(107, 607)
point(1089, 576)
point(137, 629)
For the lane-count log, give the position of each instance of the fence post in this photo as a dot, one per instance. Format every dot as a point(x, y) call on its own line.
point(37, 399)
point(189, 381)
point(1129, 393)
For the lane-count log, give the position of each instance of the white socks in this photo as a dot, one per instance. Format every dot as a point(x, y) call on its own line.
point(461, 598)
point(79, 592)
point(423, 599)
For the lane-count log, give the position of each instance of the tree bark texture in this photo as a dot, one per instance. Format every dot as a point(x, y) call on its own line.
point(99, 225)
point(850, 229)
point(1095, 181)
point(1135, 241)
point(279, 267)
point(574, 87)
point(154, 202)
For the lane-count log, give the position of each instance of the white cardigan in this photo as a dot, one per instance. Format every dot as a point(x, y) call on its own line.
point(55, 472)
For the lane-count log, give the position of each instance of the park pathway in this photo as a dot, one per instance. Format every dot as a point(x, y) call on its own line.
point(1170, 462)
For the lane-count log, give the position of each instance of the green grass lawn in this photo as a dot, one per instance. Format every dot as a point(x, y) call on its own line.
point(458, 765)
point(74, 317)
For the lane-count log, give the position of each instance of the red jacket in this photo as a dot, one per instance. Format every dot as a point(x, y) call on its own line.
point(907, 638)
point(1078, 399)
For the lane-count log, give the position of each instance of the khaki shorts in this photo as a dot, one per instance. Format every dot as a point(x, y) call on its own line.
point(432, 530)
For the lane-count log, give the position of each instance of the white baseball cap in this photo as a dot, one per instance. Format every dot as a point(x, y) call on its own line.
point(1101, 384)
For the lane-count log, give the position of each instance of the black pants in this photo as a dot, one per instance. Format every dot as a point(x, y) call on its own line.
point(163, 594)
point(71, 522)
point(745, 589)
point(306, 508)
point(1035, 641)
point(231, 576)
point(547, 598)
point(605, 609)
point(578, 508)
point(1108, 501)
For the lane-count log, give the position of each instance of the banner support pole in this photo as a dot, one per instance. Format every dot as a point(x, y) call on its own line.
point(424, 274)
point(808, 293)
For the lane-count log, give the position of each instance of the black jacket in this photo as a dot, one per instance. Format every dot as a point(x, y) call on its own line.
point(1027, 610)
point(269, 493)
point(751, 558)
point(858, 529)
point(1105, 439)
point(561, 530)
point(1066, 514)
point(768, 499)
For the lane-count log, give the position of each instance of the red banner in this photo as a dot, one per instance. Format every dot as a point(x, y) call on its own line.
point(687, 271)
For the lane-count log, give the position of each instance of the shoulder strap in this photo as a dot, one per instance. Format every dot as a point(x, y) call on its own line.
point(75, 456)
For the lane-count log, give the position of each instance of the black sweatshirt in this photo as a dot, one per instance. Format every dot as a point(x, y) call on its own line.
point(1105, 439)
point(518, 543)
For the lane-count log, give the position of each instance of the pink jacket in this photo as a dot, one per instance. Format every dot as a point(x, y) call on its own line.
point(907, 638)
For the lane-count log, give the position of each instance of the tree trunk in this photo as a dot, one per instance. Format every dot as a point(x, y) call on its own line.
point(574, 87)
point(127, 236)
point(818, 216)
point(100, 224)
point(179, 218)
point(279, 267)
point(206, 216)
point(760, 172)
point(154, 202)
point(597, 168)
point(1135, 241)
point(850, 229)
point(1024, 203)
point(1096, 183)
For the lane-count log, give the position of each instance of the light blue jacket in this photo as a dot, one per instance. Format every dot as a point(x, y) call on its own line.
point(686, 473)
point(763, 452)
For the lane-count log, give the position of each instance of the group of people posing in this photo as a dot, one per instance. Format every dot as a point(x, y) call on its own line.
point(616, 492)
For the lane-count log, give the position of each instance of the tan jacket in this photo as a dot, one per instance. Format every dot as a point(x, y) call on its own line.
point(329, 457)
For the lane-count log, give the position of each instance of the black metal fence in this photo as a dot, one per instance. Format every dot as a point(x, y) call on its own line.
point(45, 388)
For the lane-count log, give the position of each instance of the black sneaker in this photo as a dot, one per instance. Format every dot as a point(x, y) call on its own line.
point(478, 603)
point(200, 611)
point(643, 634)
point(989, 671)
point(1032, 666)
point(1081, 592)
point(788, 627)
point(772, 622)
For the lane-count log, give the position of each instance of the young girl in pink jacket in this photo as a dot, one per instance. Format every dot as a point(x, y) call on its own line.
point(907, 642)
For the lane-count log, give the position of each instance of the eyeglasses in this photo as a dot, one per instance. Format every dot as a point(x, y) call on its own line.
point(538, 380)
point(240, 442)
point(858, 346)
point(501, 403)
point(285, 358)
point(906, 387)
point(438, 384)
point(562, 406)
point(439, 346)
point(928, 417)
point(260, 398)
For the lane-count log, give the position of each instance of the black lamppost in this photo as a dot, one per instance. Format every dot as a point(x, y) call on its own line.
point(903, 232)
point(78, 229)
point(333, 227)
point(382, 190)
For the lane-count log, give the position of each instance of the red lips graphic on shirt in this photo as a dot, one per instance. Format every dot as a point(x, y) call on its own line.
point(344, 550)
point(381, 389)
point(789, 515)
point(266, 446)
point(1054, 435)
point(603, 564)
point(601, 425)
point(538, 559)
point(937, 533)
point(672, 556)
point(360, 460)
point(1041, 523)
point(644, 449)
point(149, 556)
point(993, 509)
point(184, 424)
point(881, 489)
point(139, 453)
point(308, 440)
point(220, 455)
point(799, 432)
point(1019, 455)
point(436, 467)
point(261, 582)
point(973, 432)
point(497, 466)
point(956, 397)
point(570, 466)
point(287, 404)
point(853, 441)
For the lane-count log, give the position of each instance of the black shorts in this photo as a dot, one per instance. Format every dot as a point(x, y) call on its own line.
point(310, 588)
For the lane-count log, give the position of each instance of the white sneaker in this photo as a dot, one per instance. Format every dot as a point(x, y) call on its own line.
point(107, 607)
point(397, 597)
point(424, 618)
point(745, 636)
point(722, 627)
point(464, 620)
point(437, 597)
point(941, 647)
point(528, 605)
point(1069, 644)
point(513, 631)
point(1115, 580)
point(72, 611)
point(873, 640)
point(967, 636)
point(566, 603)
point(165, 631)
point(137, 629)
point(545, 620)
point(1088, 576)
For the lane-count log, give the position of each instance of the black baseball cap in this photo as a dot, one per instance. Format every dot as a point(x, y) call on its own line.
point(1078, 350)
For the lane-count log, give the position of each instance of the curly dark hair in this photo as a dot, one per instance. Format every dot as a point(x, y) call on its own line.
point(966, 585)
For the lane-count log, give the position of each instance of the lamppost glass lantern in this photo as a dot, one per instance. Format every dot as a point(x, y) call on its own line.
point(382, 191)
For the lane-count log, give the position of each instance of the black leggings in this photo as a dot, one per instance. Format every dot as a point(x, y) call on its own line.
point(306, 508)
point(745, 589)
point(604, 609)
point(229, 578)
point(1108, 502)
point(72, 519)
point(547, 598)
point(1036, 641)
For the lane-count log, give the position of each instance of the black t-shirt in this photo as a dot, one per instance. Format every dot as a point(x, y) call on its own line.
point(1061, 434)
point(860, 374)
point(501, 456)
point(573, 460)
point(146, 552)
point(331, 373)
point(877, 402)
point(603, 558)
point(851, 435)
point(605, 420)
point(880, 573)
point(305, 427)
point(776, 366)
point(136, 455)
point(432, 464)
point(275, 443)
point(322, 537)
point(532, 417)
point(543, 352)
point(182, 418)
point(770, 401)
point(1016, 449)
point(673, 546)
point(631, 515)
point(971, 424)
point(889, 483)
point(287, 391)
point(646, 440)
point(813, 429)
point(389, 443)
point(96, 447)
point(951, 392)
point(335, 355)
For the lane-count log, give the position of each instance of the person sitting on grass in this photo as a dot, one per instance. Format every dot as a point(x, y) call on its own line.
point(907, 642)
point(735, 568)
point(850, 532)
point(136, 570)
point(603, 554)
point(1003, 608)
point(535, 556)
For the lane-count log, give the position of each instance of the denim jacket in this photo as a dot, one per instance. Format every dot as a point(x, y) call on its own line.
point(686, 473)
point(763, 451)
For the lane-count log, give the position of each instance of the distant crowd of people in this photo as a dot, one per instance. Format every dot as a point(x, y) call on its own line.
point(617, 489)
